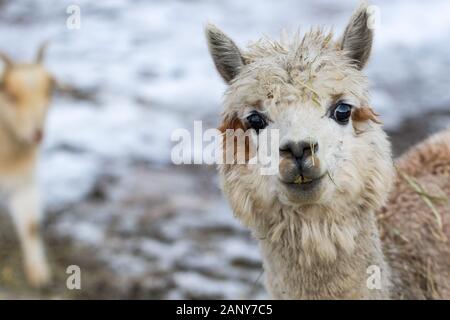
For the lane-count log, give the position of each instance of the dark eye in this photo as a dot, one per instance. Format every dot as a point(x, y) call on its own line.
point(256, 121)
point(342, 113)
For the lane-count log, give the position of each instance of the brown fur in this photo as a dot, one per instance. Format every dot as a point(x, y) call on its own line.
point(416, 247)
point(233, 130)
point(364, 114)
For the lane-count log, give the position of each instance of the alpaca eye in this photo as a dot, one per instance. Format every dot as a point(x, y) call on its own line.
point(256, 121)
point(342, 113)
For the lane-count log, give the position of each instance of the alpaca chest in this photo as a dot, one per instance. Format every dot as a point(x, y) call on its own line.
point(299, 274)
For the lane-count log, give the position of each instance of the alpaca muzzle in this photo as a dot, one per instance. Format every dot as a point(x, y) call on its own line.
point(300, 163)
point(38, 136)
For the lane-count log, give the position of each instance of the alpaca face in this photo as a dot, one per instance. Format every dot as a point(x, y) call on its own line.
point(312, 91)
point(25, 93)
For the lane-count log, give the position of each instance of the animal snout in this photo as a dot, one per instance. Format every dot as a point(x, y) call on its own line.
point(38, 136)
point(303, 156)
point(300, 150)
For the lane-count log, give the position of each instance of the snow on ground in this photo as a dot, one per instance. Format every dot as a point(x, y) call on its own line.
point(143, 70)
point(147, 65)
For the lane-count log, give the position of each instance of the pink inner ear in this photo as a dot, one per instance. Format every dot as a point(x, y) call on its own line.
point(363, 114)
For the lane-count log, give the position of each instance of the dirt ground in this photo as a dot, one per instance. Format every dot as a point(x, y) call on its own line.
point(134, 211)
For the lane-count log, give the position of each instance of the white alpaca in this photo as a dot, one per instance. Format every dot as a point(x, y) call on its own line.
point(24, 99)
point(319, 219)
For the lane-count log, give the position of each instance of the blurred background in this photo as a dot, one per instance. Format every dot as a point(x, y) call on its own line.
point(138, 226)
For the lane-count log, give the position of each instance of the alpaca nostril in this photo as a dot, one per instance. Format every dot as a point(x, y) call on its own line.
point(316, 147)
point(300, 150)
point(38, 136)
point(309, 150)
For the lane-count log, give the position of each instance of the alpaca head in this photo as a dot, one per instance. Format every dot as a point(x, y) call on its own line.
point(25, 92)
point(312, 90)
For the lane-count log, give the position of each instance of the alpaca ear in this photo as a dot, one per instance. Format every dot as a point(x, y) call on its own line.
point(5, 64)
point(358, 36)
point(41, 52)
point(225, 53)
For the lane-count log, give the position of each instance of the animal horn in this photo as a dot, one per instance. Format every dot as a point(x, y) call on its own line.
point(41, 52)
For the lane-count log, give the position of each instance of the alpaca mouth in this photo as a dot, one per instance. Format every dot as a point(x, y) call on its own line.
point(301, 179)
point(303, 183)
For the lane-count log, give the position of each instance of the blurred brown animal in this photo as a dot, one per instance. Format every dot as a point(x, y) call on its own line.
point(25, 93)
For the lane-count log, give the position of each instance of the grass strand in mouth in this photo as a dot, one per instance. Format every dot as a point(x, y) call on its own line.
point(302, 179)
point(299, 179)
point(313, 154)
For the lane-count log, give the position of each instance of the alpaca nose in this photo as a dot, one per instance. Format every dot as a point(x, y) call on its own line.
point(38, 135)
point(303, 154)
point(300, 150)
